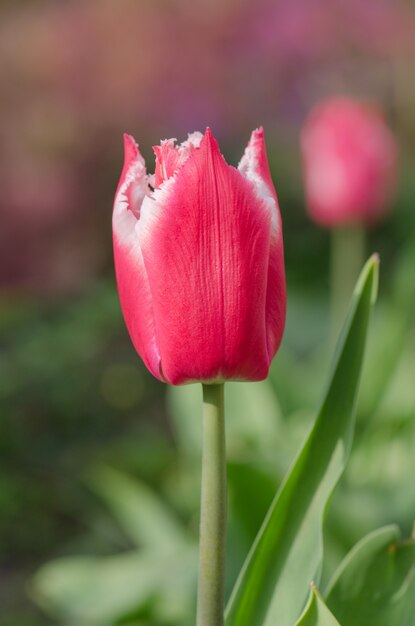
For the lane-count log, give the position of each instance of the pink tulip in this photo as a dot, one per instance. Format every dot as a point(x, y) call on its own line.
point(349, 157)
point(199, 260)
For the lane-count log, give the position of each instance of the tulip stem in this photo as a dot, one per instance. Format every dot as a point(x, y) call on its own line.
point(210, 596)
point(347, 257)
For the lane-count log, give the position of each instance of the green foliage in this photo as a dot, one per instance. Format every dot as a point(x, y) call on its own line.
point(141, 514)
point(155, 579)
point(95, 590)
point(375, 584)
point(288, 550)
point(316, 612)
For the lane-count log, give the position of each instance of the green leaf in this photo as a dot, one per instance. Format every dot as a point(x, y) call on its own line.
point(287, 553)
point(375, 584)
point(391, 329)
point(143, 516)
point(316, 612)
point(99, 591)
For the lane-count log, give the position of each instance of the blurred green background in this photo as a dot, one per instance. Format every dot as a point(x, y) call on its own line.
point(97, 459)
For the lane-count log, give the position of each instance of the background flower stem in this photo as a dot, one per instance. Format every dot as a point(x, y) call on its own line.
point(347, 258)
point(210, 597)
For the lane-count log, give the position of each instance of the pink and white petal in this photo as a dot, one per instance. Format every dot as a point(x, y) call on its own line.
point(205, 240)
point(136, 304)
point(133, 183)
point(276, 301)
point(166, 157)
point(193, 141)
point(132, 156)
point(170, 158)
point(132, 281)
point(254, 167)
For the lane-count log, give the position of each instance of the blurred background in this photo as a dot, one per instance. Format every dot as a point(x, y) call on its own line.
point(99, 462)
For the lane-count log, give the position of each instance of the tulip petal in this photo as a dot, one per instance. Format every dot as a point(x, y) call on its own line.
point(132, 280)
point(205, 239)
point(254, 166)
point(170, 158)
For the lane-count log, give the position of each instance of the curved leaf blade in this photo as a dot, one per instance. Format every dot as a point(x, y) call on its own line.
point(287, 553)
point(140, 512)
point(375, 583)
point(316, 612)
point(102, 591)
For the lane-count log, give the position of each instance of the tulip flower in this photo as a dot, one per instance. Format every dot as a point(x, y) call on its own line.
point(200, 271)
point(199, 261)
point(350, 165)
point(349, 157)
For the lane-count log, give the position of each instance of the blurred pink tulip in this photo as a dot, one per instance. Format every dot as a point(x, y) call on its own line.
point(349, 157)
point(199, 260)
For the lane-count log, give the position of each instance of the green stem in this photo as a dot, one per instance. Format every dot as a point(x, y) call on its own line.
point(347, 257)
point(210, 596)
